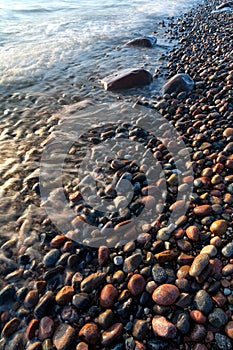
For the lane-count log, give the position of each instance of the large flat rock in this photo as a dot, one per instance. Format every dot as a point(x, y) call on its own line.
point(127, 79)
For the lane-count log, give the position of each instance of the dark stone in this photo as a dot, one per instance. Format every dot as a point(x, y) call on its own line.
point(178, 83)
point(140, 329)
point(44, 305)
point(218, 318)
point(81, 300)
point(127, 79)
point(203, 301)
point(69, 314)
point(223, 342)
point(182, 322)
point(7, 294)
point(159, 274)
point(145, 41)
point(157, 344)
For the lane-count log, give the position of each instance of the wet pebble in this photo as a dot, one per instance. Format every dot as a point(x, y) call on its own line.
point(140, 329)
point(31, 298)
point(44, 305)
point(112, 334)
point(92, 281)
point(51, 257)
point(10, 327)
point(159, 274)
point(64, 295)
point(81, 300)
point(89, 333)
point(105, 319)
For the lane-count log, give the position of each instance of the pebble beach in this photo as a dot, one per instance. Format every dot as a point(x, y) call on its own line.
point(162, 289)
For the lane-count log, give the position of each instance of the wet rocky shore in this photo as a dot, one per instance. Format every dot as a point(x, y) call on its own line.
point(163, 289)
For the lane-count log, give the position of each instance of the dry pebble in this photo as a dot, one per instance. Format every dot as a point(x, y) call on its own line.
point(63, 337)
point(163, 328)
point(165, 294)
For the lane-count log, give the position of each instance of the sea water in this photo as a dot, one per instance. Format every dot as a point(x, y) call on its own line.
point(68, 43)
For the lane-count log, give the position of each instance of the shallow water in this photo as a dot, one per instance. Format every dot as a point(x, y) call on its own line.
point(55, 53)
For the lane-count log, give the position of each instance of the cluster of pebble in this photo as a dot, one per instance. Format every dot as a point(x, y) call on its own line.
point(163, 290)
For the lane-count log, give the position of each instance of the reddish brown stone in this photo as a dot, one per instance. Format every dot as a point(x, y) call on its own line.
point(31, 329)
point(136, 284)
point(111, 334)
point(166, 255)
point(139, 346)
point(198, 316)
point(58, 241)
point(89, 333)
point(108, 296)
point(203, 210)
point(185, 259)
point(81, 346)
point(64, 295)
point(193, 233)
point(166, 294)
point(163, 328)
point(103, 254)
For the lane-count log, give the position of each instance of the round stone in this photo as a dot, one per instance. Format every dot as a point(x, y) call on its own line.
point(51, 257)
point(203, 210)
point(136, 284)
point(108, 296)
point(165, 294)
point(219, 227)
point(203, 301)
point(193, 233)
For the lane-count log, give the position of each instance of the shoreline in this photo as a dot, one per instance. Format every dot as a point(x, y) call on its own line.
point(178, 288)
